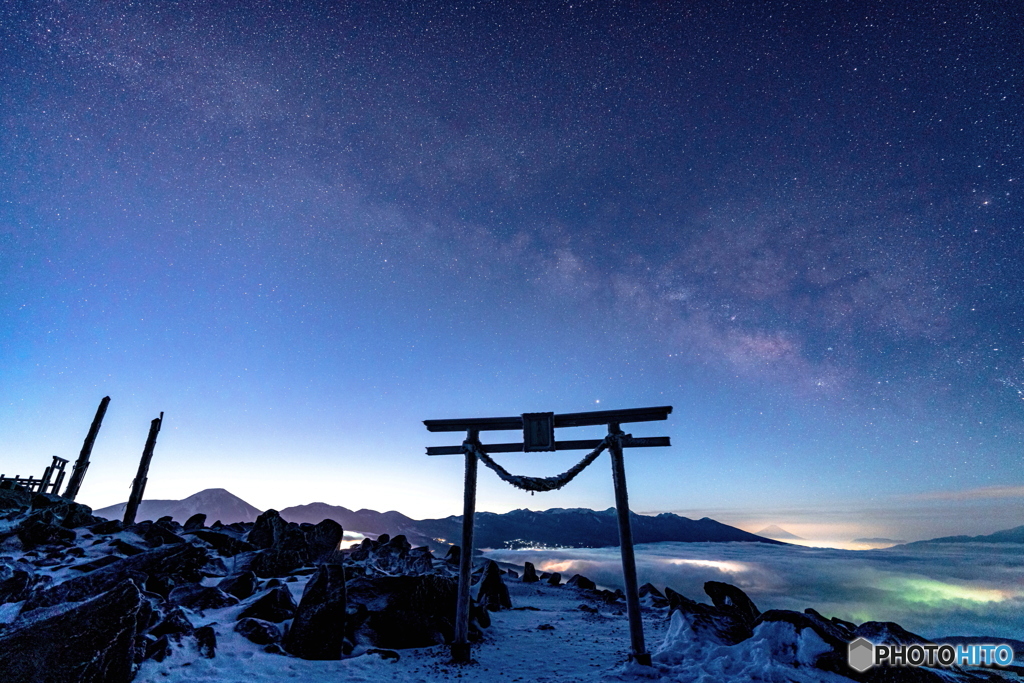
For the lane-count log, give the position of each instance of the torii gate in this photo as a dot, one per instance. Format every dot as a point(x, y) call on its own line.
point(539, 435)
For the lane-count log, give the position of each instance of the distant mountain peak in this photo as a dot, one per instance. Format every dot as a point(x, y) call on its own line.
point(216, 504)
point(778, 533)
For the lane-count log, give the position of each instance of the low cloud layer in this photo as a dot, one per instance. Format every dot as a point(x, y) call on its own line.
point(949, 589)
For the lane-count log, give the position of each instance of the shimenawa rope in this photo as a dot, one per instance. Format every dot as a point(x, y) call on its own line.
point(539, 483)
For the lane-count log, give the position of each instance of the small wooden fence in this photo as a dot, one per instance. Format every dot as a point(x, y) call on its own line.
point(50, 482)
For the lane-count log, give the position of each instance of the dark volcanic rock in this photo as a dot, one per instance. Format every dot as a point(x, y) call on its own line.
point(206, 641)
point(15, 499)
point(267, 530)
point(580, 581)
point(653, 596)
point(530, 573)
point(318, 630)
point(241, 585)
point(160, 533)
point(53, 509)
point(555, 579)
point(406, 611)
point(223, 543)
point(125, 548)
point(110, 526)
point(161, 566)
point(324, 538)
point(492, 593)
point(397, 556)
point(259, 631)
point(196, 521)
point(157, 649)
point(98, 563)
point(277, 604)
point(888, 633)
point(93, 642)
point(16, 587)
point(728, 597)
point(174, 624)
point(197, 597)
point(292, 547)
point(36, 532)
point(709, 622)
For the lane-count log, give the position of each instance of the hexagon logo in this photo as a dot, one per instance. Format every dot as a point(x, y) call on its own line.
point(861, 655)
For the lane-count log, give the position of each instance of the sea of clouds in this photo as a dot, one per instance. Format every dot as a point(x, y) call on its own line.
point(971, 589)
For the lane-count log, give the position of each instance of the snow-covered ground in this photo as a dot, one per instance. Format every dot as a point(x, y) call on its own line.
point(564, 634)
point(582, 645)
point(554, 634)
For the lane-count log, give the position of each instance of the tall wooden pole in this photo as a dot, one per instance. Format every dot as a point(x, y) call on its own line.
point(638, 649)
point(82, 464)
point(139, 484)
point(460, 644)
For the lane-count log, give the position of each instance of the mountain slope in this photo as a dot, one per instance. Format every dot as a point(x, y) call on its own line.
point(1014, 535)
point(216, 504)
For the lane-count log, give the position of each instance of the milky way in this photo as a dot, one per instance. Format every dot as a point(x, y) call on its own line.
point(301, 228)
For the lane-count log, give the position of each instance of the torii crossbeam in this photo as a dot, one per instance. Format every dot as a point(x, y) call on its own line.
point(539, 435)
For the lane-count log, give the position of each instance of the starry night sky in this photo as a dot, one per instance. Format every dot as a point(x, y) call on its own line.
point(301, 228)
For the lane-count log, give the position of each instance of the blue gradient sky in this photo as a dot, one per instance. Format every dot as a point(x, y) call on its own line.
point(299, 229)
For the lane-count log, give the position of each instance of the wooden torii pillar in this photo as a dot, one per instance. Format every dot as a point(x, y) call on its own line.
point(139, 483)
point(538, 431)
point(82, 464)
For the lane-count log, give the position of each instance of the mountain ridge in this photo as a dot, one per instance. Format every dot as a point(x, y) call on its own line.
point(1014, 535)
point(522, 528)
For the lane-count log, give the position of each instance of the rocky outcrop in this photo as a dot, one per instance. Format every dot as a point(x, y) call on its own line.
point(723, 626)
point(199, 598)
point(267, 530)
point(276, 605)
point(405, 611)
point(157, 570)
point(581, 582)
point(259, 631)
point(388, 555)
point(287, 546)
point(91, 642)
point(319, 628)
point(240, 585)
point(491, 591)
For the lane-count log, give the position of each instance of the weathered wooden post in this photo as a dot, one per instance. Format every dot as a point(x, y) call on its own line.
point(638, 652)
point(82, 464)
point(139, 484)
point(460, 645)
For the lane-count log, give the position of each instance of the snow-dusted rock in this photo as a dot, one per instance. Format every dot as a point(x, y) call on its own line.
point(276, 604)
point(91, 642)
point(240, 585)
point(581, 582)
point(491, 592)
point(319, 628)
point(259, 631)
point(405, 611)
